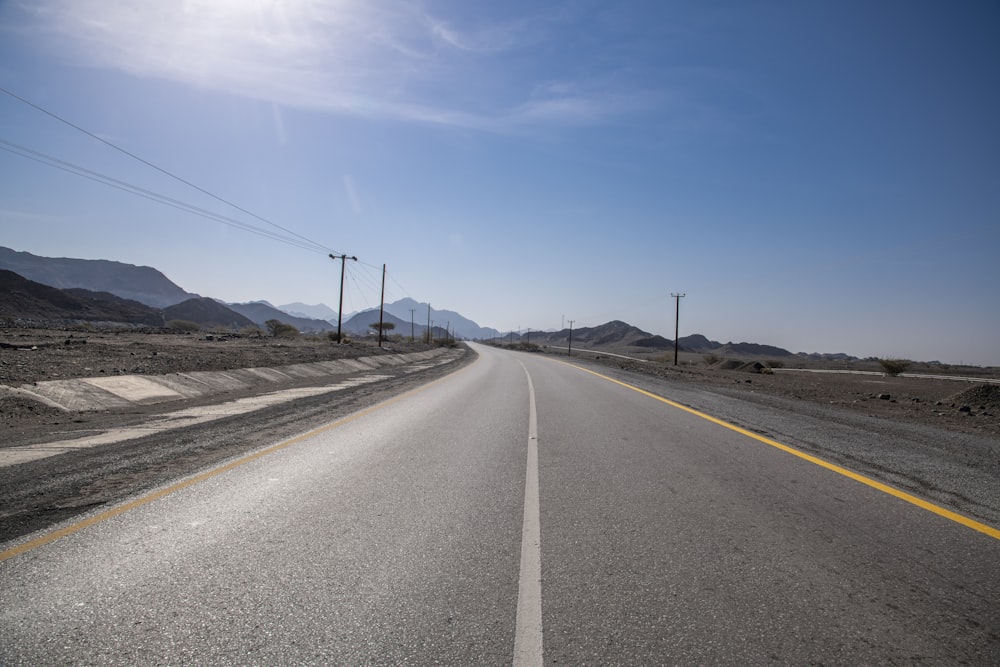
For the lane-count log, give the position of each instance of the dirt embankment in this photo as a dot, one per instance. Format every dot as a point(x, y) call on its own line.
point(35, 355)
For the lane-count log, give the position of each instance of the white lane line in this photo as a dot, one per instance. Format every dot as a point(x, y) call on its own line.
point(528, 633)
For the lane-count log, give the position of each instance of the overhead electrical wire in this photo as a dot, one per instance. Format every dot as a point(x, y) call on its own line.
point(164, 171)
point(294, 239)
point(362, 290)
point(98, 177)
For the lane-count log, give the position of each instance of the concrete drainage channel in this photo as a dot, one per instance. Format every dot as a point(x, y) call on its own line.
point(119, 392)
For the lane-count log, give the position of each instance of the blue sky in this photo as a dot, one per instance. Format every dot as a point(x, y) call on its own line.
point(818, 176)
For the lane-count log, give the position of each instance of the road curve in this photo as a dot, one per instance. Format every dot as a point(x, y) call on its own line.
point(400, 535)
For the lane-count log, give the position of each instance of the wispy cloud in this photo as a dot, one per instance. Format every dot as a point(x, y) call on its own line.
point(393, 60)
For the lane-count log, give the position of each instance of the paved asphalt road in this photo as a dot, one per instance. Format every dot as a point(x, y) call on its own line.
point(395, 537)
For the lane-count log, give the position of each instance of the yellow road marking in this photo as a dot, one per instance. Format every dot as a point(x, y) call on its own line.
point(884, 488)
point(214, 472)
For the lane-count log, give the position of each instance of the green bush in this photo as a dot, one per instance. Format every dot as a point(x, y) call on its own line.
point(894, 366)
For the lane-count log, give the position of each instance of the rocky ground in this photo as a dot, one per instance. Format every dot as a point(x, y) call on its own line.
point(34, 355)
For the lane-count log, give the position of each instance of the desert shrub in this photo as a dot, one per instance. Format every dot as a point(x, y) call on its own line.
point(775, 363)
point(183, 325)
point(251, 331)
point(894, 366)
point(711, 359)
point(280, 329)
point(332, 337)
point(386, 326)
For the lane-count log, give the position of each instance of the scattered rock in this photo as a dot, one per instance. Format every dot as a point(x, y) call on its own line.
point(884, 397)
point(986, 396)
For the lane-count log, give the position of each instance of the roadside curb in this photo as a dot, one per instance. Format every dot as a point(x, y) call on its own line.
point(121, 391)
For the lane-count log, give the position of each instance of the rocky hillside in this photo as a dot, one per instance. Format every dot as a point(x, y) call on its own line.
point(23, 299)
point(138, 283)
point(621, 334)
point(615, 333)
point(210, 314)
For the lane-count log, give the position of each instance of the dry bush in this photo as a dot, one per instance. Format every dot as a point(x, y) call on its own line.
point(281, 329)
point(894, 366)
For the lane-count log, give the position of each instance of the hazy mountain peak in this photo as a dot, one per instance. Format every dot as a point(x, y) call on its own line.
point(320, 311)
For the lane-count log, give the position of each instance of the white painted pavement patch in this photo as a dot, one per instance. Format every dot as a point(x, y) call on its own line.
point(135, 388)
point(175, 420)
point(105, 393)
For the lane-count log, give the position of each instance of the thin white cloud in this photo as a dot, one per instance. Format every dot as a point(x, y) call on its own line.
point(390, 60)
point(352, 194)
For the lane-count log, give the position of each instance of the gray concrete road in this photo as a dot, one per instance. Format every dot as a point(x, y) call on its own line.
point(394, 536)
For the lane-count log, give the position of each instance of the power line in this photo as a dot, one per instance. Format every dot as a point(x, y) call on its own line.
point(161, 169)
point(110, 181)
point(299, 240)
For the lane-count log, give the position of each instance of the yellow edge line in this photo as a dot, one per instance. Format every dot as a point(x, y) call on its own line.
point(197, 479)
point(884, 488)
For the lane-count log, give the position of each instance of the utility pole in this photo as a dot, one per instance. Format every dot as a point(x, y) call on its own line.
point(340, 309)
point(570, 338)
point(677, 321)
point(381, 309)
point(429, 339)
point(411, 323)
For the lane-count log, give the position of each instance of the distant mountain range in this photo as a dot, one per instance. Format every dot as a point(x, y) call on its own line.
point(320, 311)
point(137, 283)
point(65, 289)
point(620, 334)
point(261, 311)
point(406, 311)
point(21, 298)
